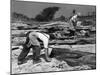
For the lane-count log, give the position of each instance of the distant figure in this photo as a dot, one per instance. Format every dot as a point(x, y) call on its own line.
point(73, 24)
point(74, 19)
point(33, 41)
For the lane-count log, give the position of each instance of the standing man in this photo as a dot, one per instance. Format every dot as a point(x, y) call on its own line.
point(33, 42)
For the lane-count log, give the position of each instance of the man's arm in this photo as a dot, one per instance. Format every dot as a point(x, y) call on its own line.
point(46, 42)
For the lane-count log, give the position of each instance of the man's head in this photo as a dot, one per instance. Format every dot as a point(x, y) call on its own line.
point(52, 36)
point(27, 33)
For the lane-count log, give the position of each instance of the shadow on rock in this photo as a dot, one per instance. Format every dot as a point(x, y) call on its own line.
point(75, 58)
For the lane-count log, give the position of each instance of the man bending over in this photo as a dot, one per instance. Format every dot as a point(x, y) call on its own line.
point(32, 41)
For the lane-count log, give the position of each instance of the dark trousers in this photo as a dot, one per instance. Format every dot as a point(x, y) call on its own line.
point(74, 23)
point(25, 51)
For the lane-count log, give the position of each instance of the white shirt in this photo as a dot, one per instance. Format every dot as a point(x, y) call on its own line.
point(42, 36)
point(74, 18)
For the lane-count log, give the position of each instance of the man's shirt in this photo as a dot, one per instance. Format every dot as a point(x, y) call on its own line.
point(42, 36)
point(74, 18)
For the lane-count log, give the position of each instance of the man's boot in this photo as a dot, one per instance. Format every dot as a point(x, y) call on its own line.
point(36, 54)
point(23, 54)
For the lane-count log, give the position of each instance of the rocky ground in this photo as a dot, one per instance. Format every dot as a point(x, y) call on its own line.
point(67, 54)
point(64, 58)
